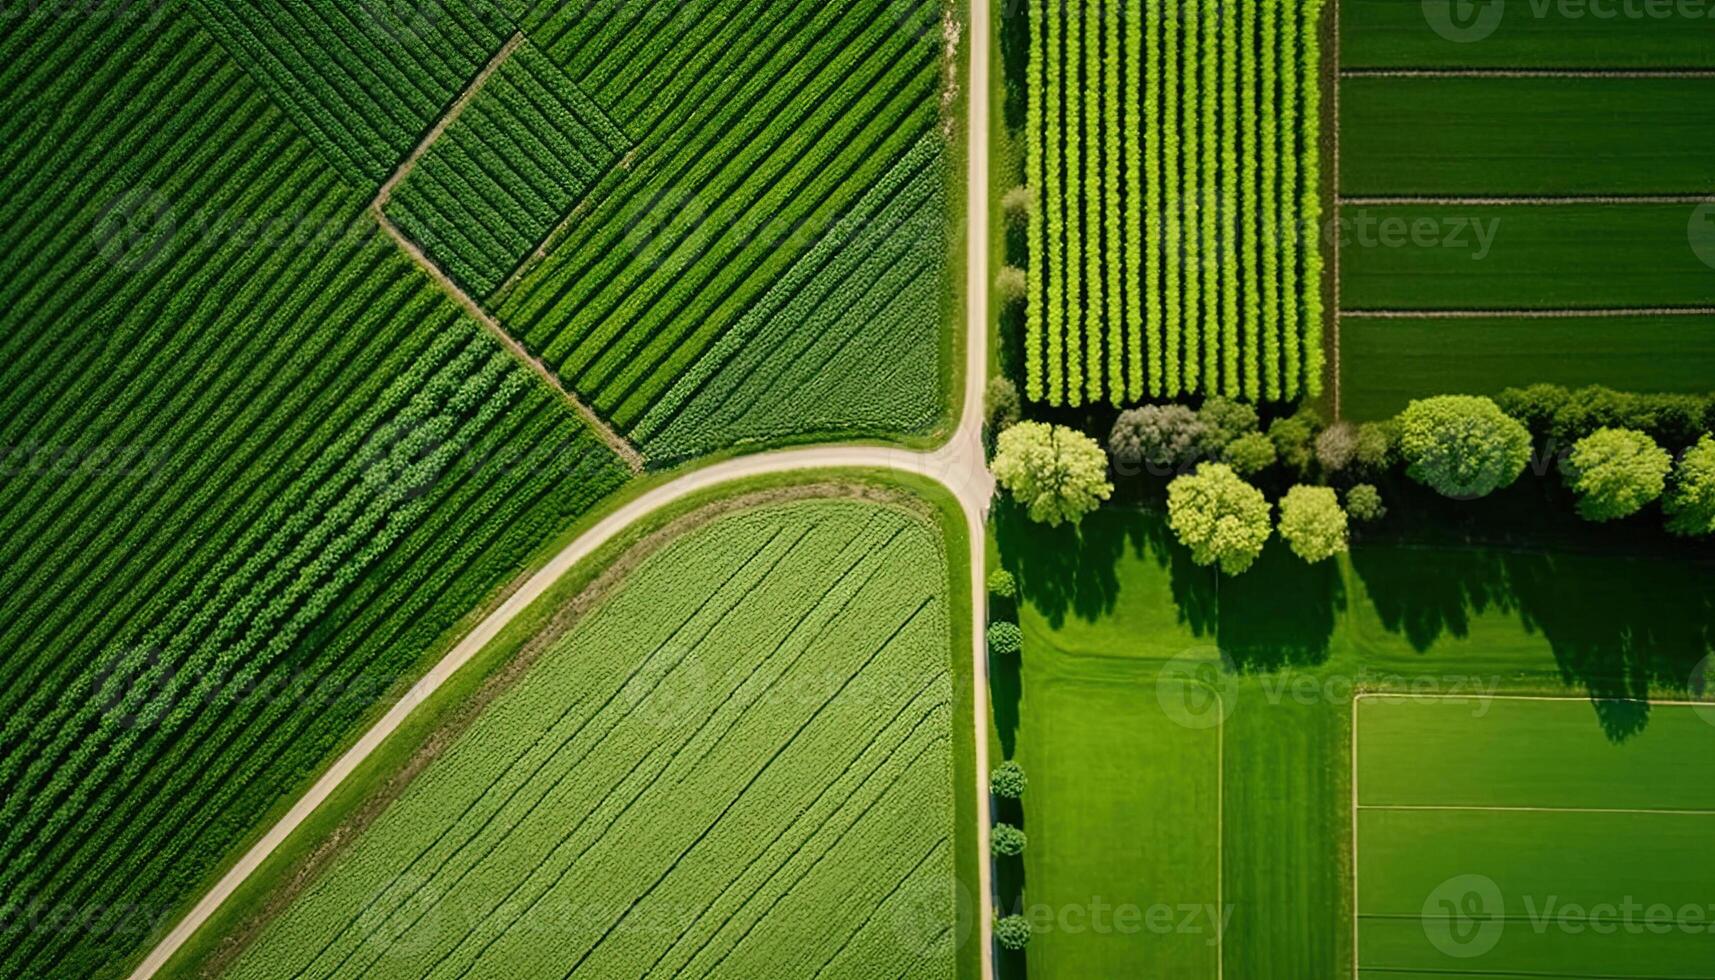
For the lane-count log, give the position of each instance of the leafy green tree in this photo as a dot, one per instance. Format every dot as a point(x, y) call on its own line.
point(1690, 502)
point(1016, 205)
point(1011, 287)
point(1250, 454)
point(1294, 439)
point(1537, 406)
point(1007, 841)
point(1001, 584)
point(1226, 421)
point(1616, 473)
point(1161, 437)
point(1337, 447)
point(1312, 523)
point(1001, 404)
point(1007, 781)
point(1364, 504)
point(1012, 932)
point(1373, 453)
point(1220, 517)
point(1005, 639)
point(1462, 446)
point(1059, 474)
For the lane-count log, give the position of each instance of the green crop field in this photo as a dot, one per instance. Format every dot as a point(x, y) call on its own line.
point(1176, 165)
point(1510, 835)
point(256, 465)
point(739, 758)
point(1388, 34)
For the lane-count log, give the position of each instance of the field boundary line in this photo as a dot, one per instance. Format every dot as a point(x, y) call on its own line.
point(1356, 915)
point(1339, 216)
point(454, 110)
point(1435, 807)
point(1664, 702)
point(1543, 314)
point(614, 441)
point(1527, 73)
point(1404, 200)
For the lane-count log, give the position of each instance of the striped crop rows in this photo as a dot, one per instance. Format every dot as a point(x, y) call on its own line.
point(754, 777)
point(363, 80)
point(490, 188)
point(760, 129)
point(1174, 248)
point(255, 465)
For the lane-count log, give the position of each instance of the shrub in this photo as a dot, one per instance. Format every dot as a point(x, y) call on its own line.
point(1294, 439)
point(1007, 781)
point(1011, 287)
point(1373, 453)
point(1016, 205)
point(1364, 504)
point(1226, 421)
point(1312, 523)
point(1690, 502)
point(1250, 454)
point(1163, 437)
point(1674, 421)
point(1462, 446)
point(1537, 406)
point(1001, 405)
point(1012, 932)
point(1005, 639)
point(1002, 585)
point(1059, 474)
point(1007, 841)
point(1337, 447)
point(1221, 518)
point(1616, 473)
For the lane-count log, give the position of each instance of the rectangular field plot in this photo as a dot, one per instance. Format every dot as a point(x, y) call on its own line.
point(1527, 137)
point(1388, 362)
point(1488, 257)
point(1525, 34)
point(1512, 838)
point(1123, 811)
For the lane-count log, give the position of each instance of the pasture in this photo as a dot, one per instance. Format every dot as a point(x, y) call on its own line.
point(1175, 161)
point(1510, 835)
point(737, 754)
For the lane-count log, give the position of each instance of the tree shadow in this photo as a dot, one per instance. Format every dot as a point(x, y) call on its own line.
point(1015, 59)
point(1280, 613)
point(1424, 594)
point(1006, 688)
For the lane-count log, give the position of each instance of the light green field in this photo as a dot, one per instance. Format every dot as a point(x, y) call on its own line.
point(742, 761)
point(1510, 836)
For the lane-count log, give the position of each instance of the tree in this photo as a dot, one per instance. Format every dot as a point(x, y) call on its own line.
point(1294, 439)
point(1616, 473)
point(1537, 406)
point(1374, 451)
point(1462, 446)
point(1226, 421)
point(1001, 404)
point(1221, 518)
point(1002, 585)
point(1012, 932)
point(1016, 205)
point(1007, 781)
point(1011, 286)
point(1059, 474)
point(1364, 504)
point(1337, 447)
point(1690, 502)
point(1007, 841)
point(1162, 437)
point(1250, 454)
point(1312, 523)
point(1005, 639)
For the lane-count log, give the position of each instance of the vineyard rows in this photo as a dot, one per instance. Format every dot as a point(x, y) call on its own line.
point(491, 187)
point(321, 466)
point(759, 128)
point(1175, 246)
point(754, 778)
point(363, 80)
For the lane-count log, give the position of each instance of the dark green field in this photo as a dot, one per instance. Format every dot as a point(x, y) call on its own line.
point(1527, 137)
point(1530, 33)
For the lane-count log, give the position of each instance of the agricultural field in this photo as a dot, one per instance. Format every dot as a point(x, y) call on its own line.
point(735, 754)
point(1174, 244)
point(1525, 195)
point(1465, 820)
point(771, 261)
point(257, 465)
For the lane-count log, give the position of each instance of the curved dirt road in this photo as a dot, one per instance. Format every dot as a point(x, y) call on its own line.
point(957, 465)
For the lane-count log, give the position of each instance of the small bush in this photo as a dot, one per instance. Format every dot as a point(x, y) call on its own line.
point(1016, 205)
point(1373, 454)
point(1001, 584)
point(1012, 932)
point(1616, 473)
point(1337, 447)
point(1005, 639)
point(1226, 421)
point(1364, 504)
point(1250, 454)
point(1537, 406)
point(1294, 439)
point(1007, 841)
point(1001, 404)
point(1007, 781)
point(1011, 287)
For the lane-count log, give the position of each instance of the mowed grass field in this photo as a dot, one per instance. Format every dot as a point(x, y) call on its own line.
point(1523, 130)
point(256, 467)
point(1510, 836)
point(739, 758)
